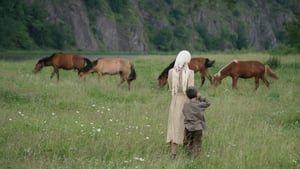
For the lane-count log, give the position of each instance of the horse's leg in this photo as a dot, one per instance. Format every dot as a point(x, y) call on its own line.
point(52, 74)
point(55, 71)
point(57, 75)
point(234, 82)
point(123, 77)
point(209, 78)
point(122, 80)
point(265, 81)
point(99, 75)
point(128, 84)
point(256, 83)
point(202, 80)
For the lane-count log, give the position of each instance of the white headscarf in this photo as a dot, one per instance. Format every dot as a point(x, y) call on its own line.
point(181, 71)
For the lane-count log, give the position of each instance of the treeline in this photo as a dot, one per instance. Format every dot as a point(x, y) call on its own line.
point(176, 33)
point(25, 26)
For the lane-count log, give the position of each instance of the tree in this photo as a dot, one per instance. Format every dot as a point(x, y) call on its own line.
point(163, 39)
point(293, 32)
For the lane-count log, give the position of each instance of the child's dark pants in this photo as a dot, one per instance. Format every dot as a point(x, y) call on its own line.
point(192, 142)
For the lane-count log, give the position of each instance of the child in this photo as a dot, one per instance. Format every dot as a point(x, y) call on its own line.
point(194, 121)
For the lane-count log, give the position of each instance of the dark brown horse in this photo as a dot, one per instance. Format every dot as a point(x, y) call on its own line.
point(62, 61)
point(244, 69)
point(111, 66)
point(198, 64)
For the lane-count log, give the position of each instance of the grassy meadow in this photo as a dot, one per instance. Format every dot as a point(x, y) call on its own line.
point(97, 124)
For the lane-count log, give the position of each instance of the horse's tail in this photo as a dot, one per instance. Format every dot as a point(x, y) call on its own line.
point(88, 62)
point(209, 63)
point(270, 72)
point(132, 75)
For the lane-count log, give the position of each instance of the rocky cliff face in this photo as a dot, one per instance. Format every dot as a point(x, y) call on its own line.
point(118, 37)
point(261, 22)
point(74, 13)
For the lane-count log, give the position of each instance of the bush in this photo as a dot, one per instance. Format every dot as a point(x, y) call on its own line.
point(274, 62)
point(163, 39)
point(293, 33)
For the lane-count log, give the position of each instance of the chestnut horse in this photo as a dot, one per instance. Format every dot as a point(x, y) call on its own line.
point(111, 66)
point(196, 64)
point(62, 61)
point(244, 69)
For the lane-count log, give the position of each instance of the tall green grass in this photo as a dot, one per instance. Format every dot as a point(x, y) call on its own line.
point(98, 124)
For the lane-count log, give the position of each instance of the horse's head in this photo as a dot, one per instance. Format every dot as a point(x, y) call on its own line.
point(38, 67)
point(216, 79)
point(162, 80)
point(81, 73)
point(87, 69)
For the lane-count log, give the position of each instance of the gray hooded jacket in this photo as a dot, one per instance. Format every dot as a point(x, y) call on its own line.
point(193, 111)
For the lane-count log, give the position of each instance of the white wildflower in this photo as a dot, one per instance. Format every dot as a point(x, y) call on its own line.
point(139, 159)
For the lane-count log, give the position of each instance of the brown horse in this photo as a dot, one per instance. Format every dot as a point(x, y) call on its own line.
point(111, 66)
point(196, 64)
point(244, 69)
point(61, 61)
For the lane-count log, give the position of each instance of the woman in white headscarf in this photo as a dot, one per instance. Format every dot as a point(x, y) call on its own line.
point(179, 78)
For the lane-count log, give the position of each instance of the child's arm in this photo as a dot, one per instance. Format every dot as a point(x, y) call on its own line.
point(204, 102)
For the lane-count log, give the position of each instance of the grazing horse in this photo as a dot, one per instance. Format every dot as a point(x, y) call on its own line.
point(61, 61)
point(111, 66)
point(244, 69)
point(196, 64)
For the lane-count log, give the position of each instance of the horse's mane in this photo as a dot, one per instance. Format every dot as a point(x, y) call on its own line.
point(166, 70)
point(226, 67)
point(47, 58)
